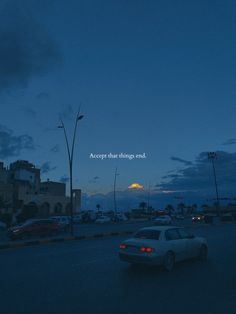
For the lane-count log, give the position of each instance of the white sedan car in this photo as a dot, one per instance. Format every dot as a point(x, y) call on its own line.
point(162, 246)
point(163, 220)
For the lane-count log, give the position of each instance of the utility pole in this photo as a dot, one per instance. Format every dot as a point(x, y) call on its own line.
point(212, 156)
point(70, 152)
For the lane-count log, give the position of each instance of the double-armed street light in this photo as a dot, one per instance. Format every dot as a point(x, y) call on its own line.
point(70, 152)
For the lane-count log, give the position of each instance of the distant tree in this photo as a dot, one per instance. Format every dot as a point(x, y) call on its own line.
point(143, 205)
point(181, 207)
point(98, 206)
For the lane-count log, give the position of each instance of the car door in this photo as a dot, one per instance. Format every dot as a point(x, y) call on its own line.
point(176, 243)
point(191, 243)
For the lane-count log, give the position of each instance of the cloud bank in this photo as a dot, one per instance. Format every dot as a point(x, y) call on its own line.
point(26, 47)
point(12, 145)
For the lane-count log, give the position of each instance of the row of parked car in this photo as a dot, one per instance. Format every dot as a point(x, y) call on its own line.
point(52, 226)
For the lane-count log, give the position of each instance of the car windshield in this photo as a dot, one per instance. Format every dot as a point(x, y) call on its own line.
point(150, 234)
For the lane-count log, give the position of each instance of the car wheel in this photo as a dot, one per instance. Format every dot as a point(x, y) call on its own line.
point(203, 253)
point(169, 261)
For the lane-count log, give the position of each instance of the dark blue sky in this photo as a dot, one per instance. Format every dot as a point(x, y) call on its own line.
point(152, 76)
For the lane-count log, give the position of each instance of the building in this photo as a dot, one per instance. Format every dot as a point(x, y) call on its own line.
point(21, 185)
point(53, 188)
point(23, 173)
point(6, 188)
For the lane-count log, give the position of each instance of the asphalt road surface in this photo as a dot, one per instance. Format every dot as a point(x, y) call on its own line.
point(83, 277)
point(90, 229)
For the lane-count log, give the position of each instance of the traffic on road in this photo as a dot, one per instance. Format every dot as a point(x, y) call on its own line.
point(89, 277)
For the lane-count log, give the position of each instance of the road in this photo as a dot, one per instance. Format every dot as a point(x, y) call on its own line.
point(83, 277)
point(92, 228)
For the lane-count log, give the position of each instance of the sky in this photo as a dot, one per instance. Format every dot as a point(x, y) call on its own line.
point(151, 77)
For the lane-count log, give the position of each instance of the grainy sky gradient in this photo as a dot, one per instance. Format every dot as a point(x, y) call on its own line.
point(152, 76)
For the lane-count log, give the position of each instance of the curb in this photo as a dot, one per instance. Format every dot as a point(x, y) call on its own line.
point(58, 240)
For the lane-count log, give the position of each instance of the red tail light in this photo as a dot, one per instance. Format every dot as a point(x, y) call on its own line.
point(122, 246)
point(144, 249)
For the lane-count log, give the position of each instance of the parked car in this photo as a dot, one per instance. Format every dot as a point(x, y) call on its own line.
point(120, 217)
point(77, 218)
point(163, 220)
point(102, 220)
point(34, 227)
point(162, 246)
point(63, 222)
point(198, 218)
point(179, 217)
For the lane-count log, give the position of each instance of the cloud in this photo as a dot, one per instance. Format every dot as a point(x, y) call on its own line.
point(46, 167)
point(26, 48)
point(231, 141)
point(126, 199)
point(199, 176)
point(192, 184)
point(12, 145)
point(94, 179)
point(55, 149)
point(186, 162)
point(50, 129)
point(135, 186)
point(64, 179)
point(29, 111)
point(67, 113)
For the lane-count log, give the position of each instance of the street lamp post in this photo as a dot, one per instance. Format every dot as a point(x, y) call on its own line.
point(70, 158)
point(212, 156)
point(115, 204)
point(148, 197)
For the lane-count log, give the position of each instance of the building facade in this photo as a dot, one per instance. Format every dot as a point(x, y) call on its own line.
point(21, 186)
